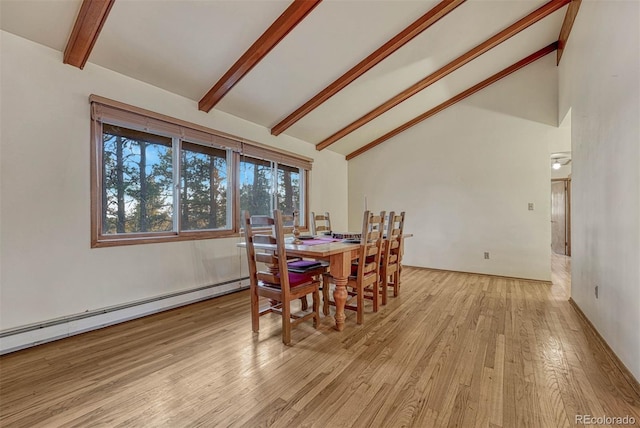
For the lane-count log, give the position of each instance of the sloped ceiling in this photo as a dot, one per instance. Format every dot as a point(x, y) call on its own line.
point(186, 46)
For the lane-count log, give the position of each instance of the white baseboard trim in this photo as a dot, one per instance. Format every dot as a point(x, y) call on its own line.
point(18, 338)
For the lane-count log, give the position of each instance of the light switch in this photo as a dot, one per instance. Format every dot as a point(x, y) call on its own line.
point(530, 206)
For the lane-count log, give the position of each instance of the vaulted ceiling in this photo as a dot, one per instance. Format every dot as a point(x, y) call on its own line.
point(345, 75)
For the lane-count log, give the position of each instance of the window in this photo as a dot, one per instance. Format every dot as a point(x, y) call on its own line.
point(266, 185)
point(158, 179)
point(289, 188)
point(256, 186)
point(137, 181)
point(203, 188)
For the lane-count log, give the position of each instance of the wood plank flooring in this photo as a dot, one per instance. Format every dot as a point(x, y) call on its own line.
point(452, 350)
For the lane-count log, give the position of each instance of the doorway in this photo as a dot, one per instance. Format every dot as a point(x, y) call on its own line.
point(561, 216)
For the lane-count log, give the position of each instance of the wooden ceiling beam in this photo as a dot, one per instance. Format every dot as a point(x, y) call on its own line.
point(567, 24)
point(462, 95)
point(399, 40)
point(286, 22)
point(89, 22)
point(535, 16)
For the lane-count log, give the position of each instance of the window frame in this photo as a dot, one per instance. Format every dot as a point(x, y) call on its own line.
point(104, 110)
point(275, 167)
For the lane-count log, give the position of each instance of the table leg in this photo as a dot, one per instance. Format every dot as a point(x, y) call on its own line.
point(340, 269)
point(340, 298)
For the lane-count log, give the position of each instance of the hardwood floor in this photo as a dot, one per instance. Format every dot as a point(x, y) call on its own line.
point(453, 349)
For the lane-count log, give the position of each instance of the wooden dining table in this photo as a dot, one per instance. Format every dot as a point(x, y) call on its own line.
point(339, 255)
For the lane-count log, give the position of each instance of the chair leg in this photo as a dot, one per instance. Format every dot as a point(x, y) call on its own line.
point(255, 310)
point(360, 303)
point(396, 283)
point(384, 285)
point(316, 308)
point(376, 295)
point(286, 323)
point(326, 284)
point(304, 303)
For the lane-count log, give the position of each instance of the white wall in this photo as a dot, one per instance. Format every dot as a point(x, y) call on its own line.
point(48, 269)
point(465, 178)
point(599, 81)
point(562, 145)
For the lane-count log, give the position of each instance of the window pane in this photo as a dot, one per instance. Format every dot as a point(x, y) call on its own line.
point(289, 184)
point(203, 188)
point(137, 181)
point(255, 186)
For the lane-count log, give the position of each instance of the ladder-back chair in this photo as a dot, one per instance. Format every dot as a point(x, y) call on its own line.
point(278, 285)
point(392, 256)
point(320, 224)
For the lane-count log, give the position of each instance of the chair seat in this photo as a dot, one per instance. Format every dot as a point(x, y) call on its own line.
point(295, 280)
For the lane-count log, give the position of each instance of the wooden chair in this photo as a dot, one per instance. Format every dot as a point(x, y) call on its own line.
point(278, 284)
point(320, 224)
point(364, 282)
point(392, 256)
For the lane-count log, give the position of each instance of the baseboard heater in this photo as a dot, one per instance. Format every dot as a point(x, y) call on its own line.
point(15, 339)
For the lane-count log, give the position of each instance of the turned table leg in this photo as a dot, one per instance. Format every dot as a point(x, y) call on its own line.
point(340, 269)
point(340, 298)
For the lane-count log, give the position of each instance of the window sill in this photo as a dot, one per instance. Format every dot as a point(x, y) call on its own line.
point(183, 236)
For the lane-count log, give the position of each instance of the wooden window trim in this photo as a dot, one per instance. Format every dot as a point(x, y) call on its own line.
point(218, 137)
point(193, 134)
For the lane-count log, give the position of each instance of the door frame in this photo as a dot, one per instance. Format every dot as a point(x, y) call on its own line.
point(567, 210)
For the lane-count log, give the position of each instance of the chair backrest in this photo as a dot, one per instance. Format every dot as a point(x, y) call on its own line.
point(370, 244)
point(320, 223)
point(395, 228)
point(267, 230)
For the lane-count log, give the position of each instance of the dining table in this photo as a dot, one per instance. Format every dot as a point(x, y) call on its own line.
point(339, 254)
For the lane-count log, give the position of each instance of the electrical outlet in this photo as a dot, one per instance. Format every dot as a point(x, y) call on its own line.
point(596, 290)
point(486, 255)
point(530, 206)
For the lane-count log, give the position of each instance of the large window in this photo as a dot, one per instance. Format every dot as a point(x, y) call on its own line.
point(159, 179)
